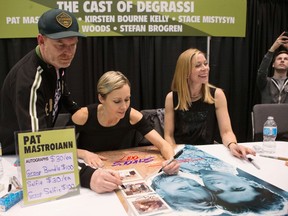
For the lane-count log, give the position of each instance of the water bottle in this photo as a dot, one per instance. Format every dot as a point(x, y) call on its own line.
point(269, 135)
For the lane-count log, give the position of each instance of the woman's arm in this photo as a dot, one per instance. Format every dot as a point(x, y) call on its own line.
point(80, 117)
point(157, 140)
point(153, 136)
point(90, 158)
point(224, 123)
point(169, 119)
point(223, 118)
point(166, 150)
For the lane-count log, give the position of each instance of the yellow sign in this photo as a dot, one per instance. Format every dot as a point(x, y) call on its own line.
point(48, 161)
point(131, 17)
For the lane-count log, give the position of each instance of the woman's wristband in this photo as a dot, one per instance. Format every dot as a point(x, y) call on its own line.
point(230, 144)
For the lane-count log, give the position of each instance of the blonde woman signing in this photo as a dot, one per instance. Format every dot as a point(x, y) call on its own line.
point(110, 125)
point(194, 106)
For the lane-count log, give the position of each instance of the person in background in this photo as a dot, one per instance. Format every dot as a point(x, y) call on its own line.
point(274, 89)
point(110, 125)
point(35, 90)
point(194, 106)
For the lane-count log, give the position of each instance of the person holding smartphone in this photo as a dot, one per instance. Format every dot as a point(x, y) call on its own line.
point(274, 89)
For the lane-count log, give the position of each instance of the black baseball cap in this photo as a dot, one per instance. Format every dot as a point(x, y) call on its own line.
point(57, 24)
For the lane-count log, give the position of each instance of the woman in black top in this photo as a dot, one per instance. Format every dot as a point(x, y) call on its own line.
point(110, 124)
point(194, 106)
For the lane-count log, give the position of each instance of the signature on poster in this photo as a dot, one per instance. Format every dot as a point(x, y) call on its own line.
point(132, 160)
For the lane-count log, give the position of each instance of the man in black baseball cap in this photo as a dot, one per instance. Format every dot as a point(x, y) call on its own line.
point(56, 24)
point(35, 90)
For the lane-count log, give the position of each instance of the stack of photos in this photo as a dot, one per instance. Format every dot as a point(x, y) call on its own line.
point(141, 198)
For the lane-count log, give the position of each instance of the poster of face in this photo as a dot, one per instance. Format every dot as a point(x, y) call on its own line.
point(206, 185)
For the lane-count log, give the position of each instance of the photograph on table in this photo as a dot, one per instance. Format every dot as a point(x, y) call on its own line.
point(136, 188)
point(208, 186)
point(128, 175)
point(149, 205)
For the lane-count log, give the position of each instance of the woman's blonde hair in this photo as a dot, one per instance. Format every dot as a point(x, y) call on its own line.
point(110, 81)
point(184, 65)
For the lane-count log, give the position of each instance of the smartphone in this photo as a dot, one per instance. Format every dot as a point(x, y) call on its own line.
point(285, 34)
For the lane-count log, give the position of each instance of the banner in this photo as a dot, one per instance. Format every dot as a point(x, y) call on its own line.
point(18, 19)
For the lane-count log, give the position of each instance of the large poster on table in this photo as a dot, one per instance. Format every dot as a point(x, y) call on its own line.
point(208, 186)
point(18, 19)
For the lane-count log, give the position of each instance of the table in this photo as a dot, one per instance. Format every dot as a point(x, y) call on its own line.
point(84, 204)
point(271, 170)
point(147, 161)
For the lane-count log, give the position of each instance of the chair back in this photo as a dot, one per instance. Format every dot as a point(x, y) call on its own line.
point(63, 120)
point(260, 114)
point(155, 118)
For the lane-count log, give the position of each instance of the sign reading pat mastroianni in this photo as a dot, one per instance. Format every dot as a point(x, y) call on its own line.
point(49, 165)
point(18, 19)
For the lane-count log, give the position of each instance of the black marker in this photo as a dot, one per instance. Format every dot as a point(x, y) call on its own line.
point(10, 184)
point(252, 161)
point(170, 161)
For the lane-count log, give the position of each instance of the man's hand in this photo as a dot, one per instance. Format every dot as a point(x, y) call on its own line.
point(281, 40)
point(105, 180)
